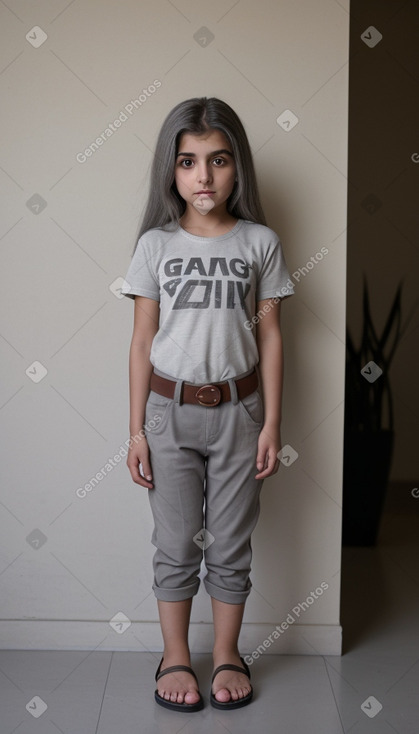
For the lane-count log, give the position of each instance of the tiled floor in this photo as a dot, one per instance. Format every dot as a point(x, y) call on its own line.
point(112, 693)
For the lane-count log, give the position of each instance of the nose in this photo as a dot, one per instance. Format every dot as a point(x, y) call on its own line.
point(204, 174)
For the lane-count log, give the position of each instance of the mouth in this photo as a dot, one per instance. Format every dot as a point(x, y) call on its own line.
point(204, 191)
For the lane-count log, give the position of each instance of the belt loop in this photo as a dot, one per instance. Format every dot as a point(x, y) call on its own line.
point(233, 390)
point(178, 394)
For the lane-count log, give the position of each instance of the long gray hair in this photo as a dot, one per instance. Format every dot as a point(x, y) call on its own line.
point(198, 115)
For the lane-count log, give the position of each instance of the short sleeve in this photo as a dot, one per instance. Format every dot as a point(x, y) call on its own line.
point(274, 279)
point(141, 278)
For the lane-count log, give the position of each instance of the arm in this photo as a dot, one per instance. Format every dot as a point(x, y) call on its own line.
point(146, 323)
point(271, 367)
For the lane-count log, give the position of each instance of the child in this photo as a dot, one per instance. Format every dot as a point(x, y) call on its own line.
point(205, 384)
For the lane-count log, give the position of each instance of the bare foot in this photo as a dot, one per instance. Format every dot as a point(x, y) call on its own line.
point(178, 687)
point(230, 684)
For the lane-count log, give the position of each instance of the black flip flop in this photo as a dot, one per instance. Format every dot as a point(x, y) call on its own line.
point(240, 701)
point(186, 707)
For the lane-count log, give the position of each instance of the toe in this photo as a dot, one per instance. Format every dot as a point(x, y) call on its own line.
point(223, 695)
point(192, 697)
point(182, 691)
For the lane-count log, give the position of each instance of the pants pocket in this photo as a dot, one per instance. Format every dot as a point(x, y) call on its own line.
point(157, 413)
point(252, 408)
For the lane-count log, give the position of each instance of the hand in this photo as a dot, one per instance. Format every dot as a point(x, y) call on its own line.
point(269, 444)
point(139, 453)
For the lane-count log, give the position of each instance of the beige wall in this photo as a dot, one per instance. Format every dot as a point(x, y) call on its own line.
point(69, 564)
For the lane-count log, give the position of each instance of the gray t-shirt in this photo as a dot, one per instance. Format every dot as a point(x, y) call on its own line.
point(208, 289)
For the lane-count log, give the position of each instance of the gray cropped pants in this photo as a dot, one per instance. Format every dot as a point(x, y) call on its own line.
point(205, 500)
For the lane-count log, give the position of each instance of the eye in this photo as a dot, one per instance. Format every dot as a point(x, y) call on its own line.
point(186, 163)
point(219, 161)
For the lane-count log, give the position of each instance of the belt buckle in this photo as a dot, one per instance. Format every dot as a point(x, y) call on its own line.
point(208, 395)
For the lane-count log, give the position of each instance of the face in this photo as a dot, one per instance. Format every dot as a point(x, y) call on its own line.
point(205, 171)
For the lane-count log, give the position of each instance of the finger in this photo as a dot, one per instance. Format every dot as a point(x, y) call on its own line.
point(137, 477)
point(145, 469)
point(262, 459)
point(271, 466)
point(262, 474)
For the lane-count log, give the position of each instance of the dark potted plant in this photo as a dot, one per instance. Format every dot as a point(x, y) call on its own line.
point(369, 423)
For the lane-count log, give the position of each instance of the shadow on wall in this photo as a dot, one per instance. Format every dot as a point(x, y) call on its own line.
point(380, 427)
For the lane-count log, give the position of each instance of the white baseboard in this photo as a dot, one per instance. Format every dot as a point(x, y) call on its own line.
point(255, 639)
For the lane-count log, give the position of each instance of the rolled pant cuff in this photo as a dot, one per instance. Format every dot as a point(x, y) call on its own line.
point(186, 592)
point(226, 595)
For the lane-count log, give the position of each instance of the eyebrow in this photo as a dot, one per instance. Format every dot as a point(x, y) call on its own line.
point(214, 152)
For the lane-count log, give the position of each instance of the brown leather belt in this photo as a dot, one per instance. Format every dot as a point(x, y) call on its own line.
point(208, 395)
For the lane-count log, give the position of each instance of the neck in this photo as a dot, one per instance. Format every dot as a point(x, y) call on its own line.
point(210, 225)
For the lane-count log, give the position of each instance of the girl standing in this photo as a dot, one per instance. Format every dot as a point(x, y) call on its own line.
point(205, 384)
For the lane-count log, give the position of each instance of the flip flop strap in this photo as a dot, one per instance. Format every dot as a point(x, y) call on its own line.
point(230, 667)
point(175, 669)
